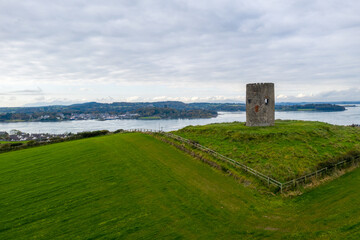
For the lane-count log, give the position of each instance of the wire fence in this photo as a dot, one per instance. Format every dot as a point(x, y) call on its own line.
point(270, 181)
point(320, 173)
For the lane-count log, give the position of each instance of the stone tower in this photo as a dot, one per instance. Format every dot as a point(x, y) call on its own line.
point(260, 104)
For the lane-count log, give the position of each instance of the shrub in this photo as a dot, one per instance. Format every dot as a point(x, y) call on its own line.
point(16, 144)
point(224, 169)
point(349, 156)
point(119, 131)
point(92, 134)
point(32, 143)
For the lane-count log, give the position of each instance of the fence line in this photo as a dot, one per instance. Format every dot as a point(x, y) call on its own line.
point(283, 186)
point(316, 174)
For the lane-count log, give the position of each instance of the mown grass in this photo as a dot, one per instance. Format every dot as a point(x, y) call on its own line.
point(285, 151)
point(132, 186)
point(3, 142)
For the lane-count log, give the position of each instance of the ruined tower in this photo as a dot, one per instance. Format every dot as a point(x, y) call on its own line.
point(260, 104)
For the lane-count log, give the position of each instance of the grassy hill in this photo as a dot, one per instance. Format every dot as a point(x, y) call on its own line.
point(287, 150)
point(132, 186)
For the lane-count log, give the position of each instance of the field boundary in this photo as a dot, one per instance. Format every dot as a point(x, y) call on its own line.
point(270, 181)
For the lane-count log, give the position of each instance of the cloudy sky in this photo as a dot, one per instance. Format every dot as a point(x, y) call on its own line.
point(146, 50)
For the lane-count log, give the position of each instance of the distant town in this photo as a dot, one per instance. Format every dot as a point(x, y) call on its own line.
point(18, 136)
point(84, 116)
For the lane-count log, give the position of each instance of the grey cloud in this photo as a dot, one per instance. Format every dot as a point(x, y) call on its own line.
point(37, 91)
point(291, 43)
point(349, 94)
point(329, 96)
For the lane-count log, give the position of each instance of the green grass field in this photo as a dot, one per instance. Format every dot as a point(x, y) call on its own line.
point(132, 186)
point(287, 150)
point(3, 142)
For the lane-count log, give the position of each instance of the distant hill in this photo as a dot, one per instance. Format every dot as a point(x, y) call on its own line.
point(123, 107)
point(148, 110)
point(311, 107)
point(94, 110)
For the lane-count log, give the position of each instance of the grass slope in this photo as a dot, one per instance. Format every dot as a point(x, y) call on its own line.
point(287, 150)
point(132, 186)
point(3, 142)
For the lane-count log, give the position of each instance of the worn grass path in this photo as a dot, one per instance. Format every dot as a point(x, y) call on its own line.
point(132, 186)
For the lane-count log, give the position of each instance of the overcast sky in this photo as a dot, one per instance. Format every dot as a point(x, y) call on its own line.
point(75, 51)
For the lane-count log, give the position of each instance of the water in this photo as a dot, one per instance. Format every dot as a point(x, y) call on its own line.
point(348, 117)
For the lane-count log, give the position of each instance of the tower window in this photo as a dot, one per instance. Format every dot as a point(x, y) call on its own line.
point(249, 100)
point(266, 101)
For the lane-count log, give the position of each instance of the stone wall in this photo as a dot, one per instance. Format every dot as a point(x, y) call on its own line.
point(260, 104)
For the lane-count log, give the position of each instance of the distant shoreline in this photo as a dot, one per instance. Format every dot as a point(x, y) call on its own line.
point(143, 111)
